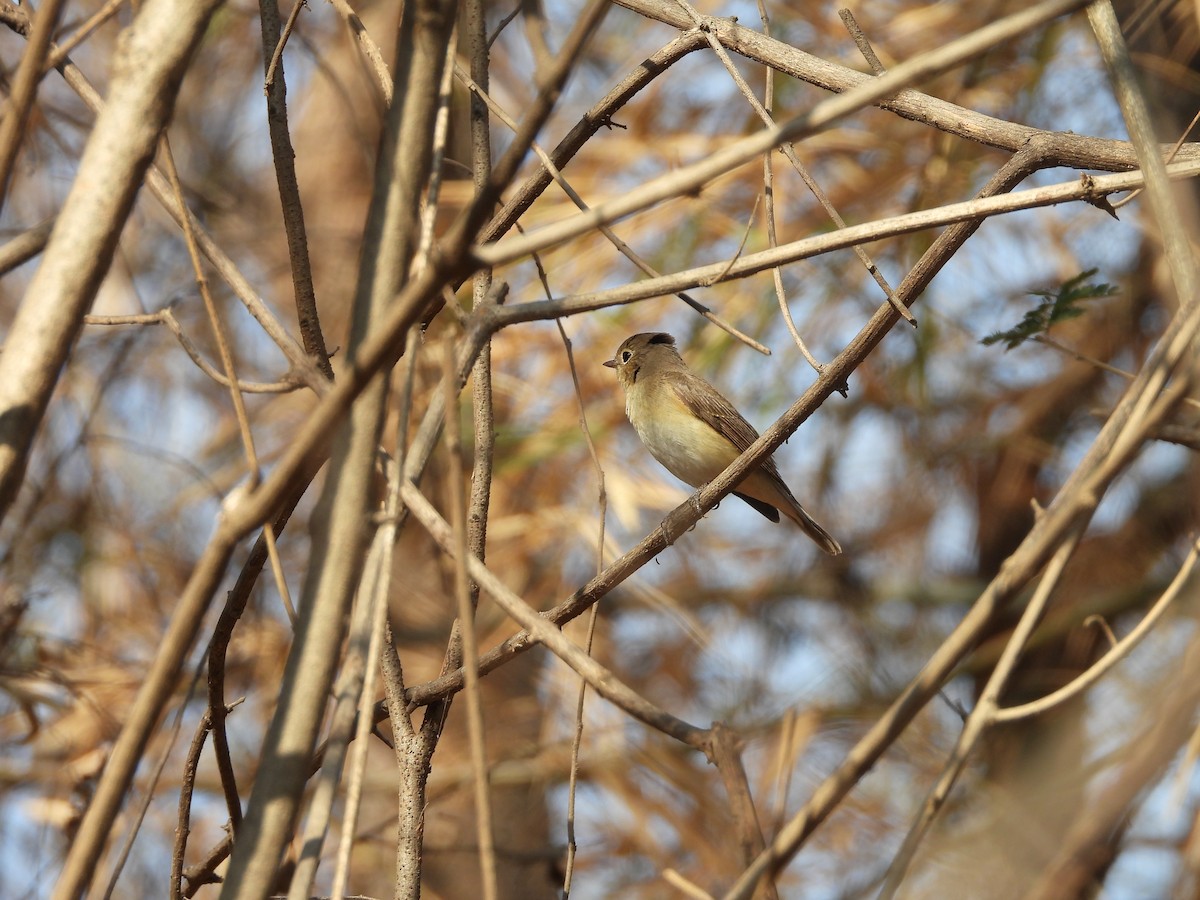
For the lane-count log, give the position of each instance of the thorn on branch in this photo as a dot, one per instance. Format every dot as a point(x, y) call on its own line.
point(843, 388)
point(1096, 198)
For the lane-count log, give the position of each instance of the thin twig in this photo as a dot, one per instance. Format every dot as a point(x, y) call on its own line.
point(593, 615)
point(790, 153)
point(1118, 651)
point(769, 213)
point(369, 49)
point(502, 24)
point(283, 156)
point(166, 318)
point(183, 819)
point(60, 52)
point(470, 643)
point(281, 585)
point(24, 88)
point(623, 248)
point(737, 254)
point(1099, 364)
point(441, 127)
point(276, 59)
point(982, 716)
point(860, 41)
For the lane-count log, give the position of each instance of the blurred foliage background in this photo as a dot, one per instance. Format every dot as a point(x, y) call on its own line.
point(927, 472)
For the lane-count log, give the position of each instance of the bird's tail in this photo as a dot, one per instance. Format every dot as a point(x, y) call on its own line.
point(808, 524)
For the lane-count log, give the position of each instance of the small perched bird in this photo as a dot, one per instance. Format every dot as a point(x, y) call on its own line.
point(695, 432)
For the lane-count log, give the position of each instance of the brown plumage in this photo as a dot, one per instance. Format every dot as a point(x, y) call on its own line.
point(689, 427)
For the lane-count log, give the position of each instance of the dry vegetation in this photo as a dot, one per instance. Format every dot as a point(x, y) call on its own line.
point(211, 597)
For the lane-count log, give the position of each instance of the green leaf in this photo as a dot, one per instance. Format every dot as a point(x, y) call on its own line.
point(1055, 306)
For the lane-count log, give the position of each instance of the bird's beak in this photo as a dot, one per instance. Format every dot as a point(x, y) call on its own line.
point(611, 363)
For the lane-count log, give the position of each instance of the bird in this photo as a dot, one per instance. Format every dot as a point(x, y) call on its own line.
point(695, 433)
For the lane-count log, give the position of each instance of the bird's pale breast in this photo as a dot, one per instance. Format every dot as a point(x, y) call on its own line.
point(690, 449)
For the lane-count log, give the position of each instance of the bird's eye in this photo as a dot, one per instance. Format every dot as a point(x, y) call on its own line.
point(625, 356)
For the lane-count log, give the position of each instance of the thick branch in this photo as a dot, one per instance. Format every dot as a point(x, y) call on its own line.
point(389, 244)
point(154, 54)
point(147, 72)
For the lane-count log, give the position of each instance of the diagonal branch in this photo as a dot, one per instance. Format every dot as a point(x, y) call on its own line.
point(148, 71)
point(967, 211)
point(600, 679)
point(982, 716)
point(24, 89)
point(692, 177)
point(289, 189)
point(390, 241)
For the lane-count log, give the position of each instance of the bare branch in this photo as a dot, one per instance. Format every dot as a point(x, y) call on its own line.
point(24, 88)
point(1117, 651)
point(152, 61)
point(982, 716)
point(470, 643)
point(166, 318)
point(390, 242)
point(973, 211)
point(691, 177)
point(85, 233)
point(285, 177)
point(601, 680)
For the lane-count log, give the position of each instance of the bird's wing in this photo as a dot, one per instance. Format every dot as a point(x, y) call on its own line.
point(707, 404)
